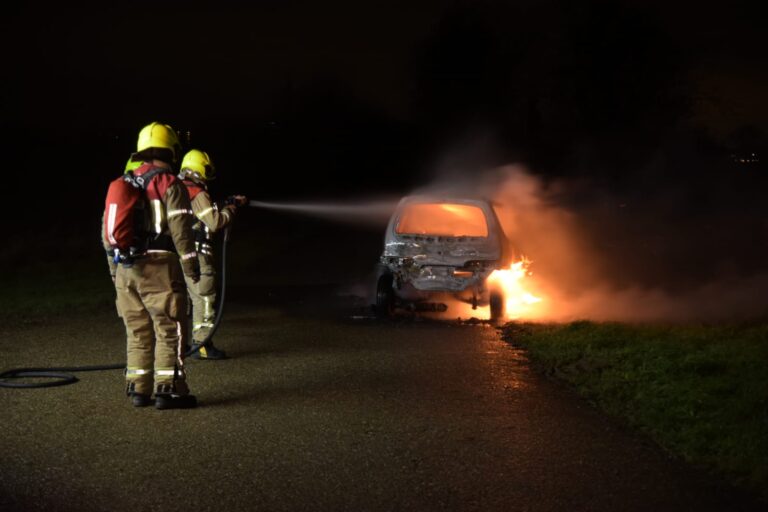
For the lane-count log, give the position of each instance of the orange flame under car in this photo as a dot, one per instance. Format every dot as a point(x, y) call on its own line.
point(519, 302)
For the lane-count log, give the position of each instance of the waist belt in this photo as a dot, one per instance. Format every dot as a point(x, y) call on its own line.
point(159, 255)
point(157, 245)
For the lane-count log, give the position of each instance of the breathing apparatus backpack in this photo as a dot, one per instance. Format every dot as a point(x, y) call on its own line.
point(124, 215)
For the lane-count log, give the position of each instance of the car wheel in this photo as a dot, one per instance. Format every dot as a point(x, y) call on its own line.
point(497, 305)
point(385, 296)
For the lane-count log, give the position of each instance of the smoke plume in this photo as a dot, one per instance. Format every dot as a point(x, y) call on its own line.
point(630, 256)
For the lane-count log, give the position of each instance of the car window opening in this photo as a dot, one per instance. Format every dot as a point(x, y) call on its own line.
point(441, 219)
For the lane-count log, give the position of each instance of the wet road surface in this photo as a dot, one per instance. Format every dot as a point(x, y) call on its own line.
point(317, 411)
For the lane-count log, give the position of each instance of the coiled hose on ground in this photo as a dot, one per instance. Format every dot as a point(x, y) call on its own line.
point(61, 376)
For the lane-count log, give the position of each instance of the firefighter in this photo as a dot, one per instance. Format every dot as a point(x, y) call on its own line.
point(149, 281)
point(197, 170)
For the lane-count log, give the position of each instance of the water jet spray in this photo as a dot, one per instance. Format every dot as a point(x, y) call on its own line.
point(369, 211)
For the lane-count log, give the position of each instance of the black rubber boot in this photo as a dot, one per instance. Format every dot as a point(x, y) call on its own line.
point(167, 397)
point(175, 401)
point(139, 400)
point(208, 351)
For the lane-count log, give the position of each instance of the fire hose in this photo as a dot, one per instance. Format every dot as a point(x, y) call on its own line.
point(60, 376)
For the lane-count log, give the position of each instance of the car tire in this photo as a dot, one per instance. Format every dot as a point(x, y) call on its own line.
point(497, 305)
point(385, 296)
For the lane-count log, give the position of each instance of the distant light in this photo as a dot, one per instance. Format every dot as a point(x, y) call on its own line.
point(750, 158)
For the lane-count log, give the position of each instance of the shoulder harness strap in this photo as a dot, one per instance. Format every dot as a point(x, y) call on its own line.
point(143, 181)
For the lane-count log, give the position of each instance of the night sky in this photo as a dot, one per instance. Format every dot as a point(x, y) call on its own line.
point(335, 99)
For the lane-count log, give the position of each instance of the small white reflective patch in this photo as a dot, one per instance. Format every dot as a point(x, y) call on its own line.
point(111, 216)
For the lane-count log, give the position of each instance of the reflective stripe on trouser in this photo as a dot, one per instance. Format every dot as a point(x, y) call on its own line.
point(137, 378)
point(151, 298)
point(203, 297)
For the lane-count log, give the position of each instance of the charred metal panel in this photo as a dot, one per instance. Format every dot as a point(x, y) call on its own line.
point(443, 263)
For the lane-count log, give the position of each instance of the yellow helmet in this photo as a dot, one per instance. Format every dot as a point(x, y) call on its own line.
point(157, 135)
point(198, 163)
point(132, 165)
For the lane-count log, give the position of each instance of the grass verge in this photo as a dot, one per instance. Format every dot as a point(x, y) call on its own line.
point(700, 391)
point(38, 291)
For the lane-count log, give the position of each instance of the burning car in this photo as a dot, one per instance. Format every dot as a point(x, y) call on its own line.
point(437, 249)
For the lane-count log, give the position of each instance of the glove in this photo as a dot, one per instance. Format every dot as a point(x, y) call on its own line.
point(236, 201)
point(191, 268)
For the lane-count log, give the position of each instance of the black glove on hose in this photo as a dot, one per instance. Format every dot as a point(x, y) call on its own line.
point(236, 201)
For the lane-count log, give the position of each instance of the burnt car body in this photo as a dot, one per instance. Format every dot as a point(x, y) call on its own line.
point(437, 248)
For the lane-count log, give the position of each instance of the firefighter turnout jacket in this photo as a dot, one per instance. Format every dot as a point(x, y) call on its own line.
point(166, 221)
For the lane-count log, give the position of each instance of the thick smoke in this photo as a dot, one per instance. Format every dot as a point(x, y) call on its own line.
point(637, 256)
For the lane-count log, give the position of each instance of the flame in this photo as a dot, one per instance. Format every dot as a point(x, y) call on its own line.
point(518, 301)
point(440, 219)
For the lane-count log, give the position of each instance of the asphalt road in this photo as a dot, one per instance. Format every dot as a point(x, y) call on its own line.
point(320, 411)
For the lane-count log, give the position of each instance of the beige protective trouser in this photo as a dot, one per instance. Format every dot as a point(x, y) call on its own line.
point(151, 298)
point(203, 297)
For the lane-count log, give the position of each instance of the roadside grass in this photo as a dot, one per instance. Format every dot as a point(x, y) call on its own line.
point(701, 392)
point(36, 291)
